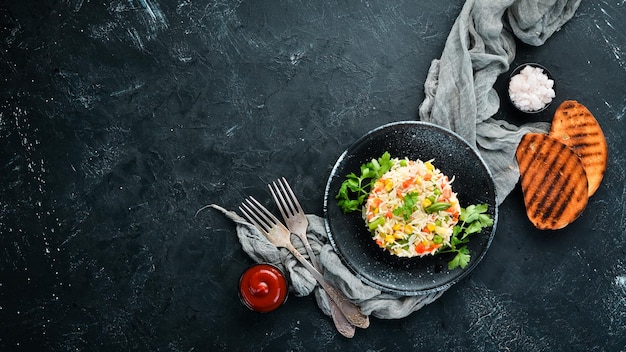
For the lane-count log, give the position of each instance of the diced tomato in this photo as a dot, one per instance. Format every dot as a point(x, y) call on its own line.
point(420, 248)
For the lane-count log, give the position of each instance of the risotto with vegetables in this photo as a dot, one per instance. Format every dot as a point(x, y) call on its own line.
point(411, 209)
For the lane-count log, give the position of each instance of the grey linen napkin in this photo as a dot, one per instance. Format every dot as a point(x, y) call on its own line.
point(460, 96)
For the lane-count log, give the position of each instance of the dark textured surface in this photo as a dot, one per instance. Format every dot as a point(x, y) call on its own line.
point(351, 238)
point(120, 119)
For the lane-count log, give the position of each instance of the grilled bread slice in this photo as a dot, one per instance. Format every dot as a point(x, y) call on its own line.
point(575, 126)
point(553, 181)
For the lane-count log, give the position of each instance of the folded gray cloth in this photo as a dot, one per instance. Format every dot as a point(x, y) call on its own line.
point(460, 96)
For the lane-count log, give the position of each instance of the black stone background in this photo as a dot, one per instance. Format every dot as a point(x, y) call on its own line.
point(120, 119)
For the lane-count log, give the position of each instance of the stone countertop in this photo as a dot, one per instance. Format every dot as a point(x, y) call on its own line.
point(120, 119)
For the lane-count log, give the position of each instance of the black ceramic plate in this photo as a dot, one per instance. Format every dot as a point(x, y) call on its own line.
point(352, 240)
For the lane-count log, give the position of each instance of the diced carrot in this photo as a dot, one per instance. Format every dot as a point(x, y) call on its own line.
point(427, 176)
point(408, 182)
point(389, 214)
point(380, 243)
point(420, 248)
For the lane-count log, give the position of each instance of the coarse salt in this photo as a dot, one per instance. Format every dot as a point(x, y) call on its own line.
point(531, 89)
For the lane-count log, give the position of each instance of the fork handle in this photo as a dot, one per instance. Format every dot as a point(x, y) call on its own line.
point(349, 309)
point(339, 319)
point(309, 251)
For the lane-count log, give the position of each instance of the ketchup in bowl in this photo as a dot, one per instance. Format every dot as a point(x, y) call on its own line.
point(263, 288)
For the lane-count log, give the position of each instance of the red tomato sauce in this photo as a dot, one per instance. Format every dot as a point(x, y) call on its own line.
point(263, 288)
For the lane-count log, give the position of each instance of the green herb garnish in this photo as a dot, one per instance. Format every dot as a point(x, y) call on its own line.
point(355, 189)
point(473, 220)
point(408, 206)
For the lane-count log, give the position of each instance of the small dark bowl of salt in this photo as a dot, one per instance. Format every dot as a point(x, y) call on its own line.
point(531, 88)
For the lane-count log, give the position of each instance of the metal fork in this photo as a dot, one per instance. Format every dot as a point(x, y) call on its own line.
point(279, 236)
point(292, 213)
point(297, 223)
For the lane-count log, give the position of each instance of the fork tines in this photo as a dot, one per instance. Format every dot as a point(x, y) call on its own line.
point(257, 214)
point(290, 203)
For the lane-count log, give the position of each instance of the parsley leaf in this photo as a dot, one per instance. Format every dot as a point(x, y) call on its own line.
point(461, 259)
point(355, 188)
point(472, 220)
point(408, 206)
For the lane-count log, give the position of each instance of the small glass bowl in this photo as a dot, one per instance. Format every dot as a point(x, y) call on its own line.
point(263, 288)
point(516, 71)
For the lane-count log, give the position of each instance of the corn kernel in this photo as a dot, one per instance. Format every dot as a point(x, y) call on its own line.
point(429, 166)
point(390, 239)
point(397, 227)
point(430, 227)
point(408, 229)
point(426, 203)
point(388, 185)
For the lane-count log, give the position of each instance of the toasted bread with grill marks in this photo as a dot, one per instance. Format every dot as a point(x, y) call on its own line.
point(553, 181)
point(575, 126)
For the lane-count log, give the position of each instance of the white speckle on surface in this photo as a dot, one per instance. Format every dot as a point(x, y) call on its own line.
point(502, 319)
point(620, 282)
point(621, 114)
point(295, 58)
point(146, 13)
point(135, 38)
point(231, 131)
